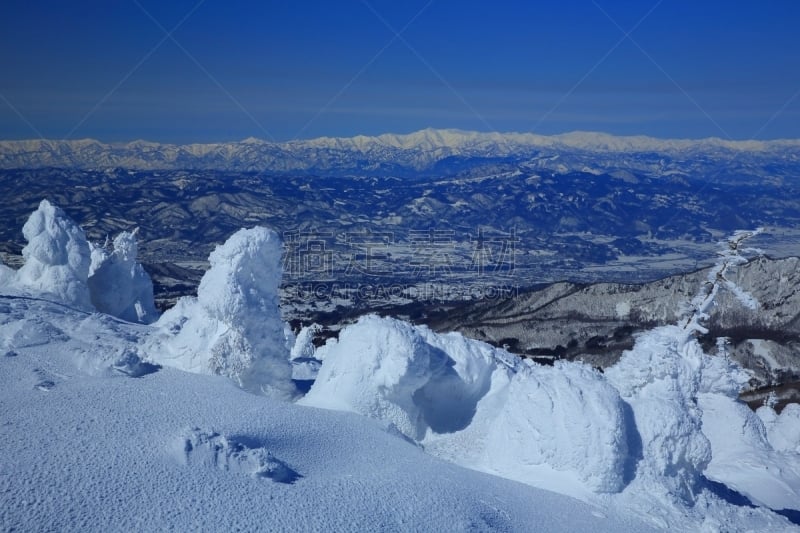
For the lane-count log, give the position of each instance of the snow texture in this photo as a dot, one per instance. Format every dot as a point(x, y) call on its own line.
point(390, 370)
point(231, 454)
point(660, 379)
point(185, 452)
point(783, 430)
point(567, 417)
point(233, 327)
point(104, 439)
point(429, 386)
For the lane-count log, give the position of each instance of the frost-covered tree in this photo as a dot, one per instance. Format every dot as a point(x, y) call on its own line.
point(662, 376)
point(62, 266)
point(57, 258)
point(304, 344)
point(233, 327)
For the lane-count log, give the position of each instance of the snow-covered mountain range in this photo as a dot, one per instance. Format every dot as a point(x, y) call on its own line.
point(383, 154)
point(597, 322)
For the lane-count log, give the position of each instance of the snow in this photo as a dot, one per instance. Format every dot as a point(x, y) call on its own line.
point(659, 379)
point(304, 343)
point(783, 430)
point(574, 419)
point(416, 149)
point(57, 258)
point(446, 391)
point(178, 451)
point(118, 285)
point(189, 423)
point(62, 266)
point(744, 460)
point(233, 327)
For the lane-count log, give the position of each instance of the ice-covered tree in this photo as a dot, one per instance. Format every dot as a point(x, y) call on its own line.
point(233, 327)
point(57, 258)
point(662, 376)
point(118, 284)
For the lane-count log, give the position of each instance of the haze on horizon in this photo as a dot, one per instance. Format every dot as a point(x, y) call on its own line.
point(203, 70)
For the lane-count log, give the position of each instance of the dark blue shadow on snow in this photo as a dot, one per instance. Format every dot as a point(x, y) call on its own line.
point(791, 515)
point(737, 498)
point(726, 493)
point(635, 447)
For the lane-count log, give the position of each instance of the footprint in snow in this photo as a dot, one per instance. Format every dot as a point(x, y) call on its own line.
point(45, 385)
point(45, 381)
point(242, 455)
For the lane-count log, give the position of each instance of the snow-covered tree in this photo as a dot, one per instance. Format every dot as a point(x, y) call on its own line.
point(233, 327)
point(118, 284)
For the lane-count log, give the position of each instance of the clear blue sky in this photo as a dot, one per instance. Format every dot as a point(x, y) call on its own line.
point(281, 70)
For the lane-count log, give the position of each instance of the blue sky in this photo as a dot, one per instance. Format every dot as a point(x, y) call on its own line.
point(108, 69)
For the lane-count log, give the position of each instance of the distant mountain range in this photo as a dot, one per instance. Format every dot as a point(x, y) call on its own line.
point(427, 151)
point(446, 217)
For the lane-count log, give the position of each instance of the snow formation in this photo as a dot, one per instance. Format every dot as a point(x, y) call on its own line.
point(186, 452)
point(118, 285)
point(62, 266)
point(660, 441)
point(303, 347)
point(233, 327)
point(57, 258)
point(660, 379)
point(447, 391)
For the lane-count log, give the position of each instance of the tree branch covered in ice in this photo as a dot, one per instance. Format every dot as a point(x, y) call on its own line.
point(731, 255)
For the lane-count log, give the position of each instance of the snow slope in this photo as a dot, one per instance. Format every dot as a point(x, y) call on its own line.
point(102, 451)
point(98, 436)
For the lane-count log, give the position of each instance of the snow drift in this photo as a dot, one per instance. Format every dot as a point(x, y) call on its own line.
point(233, 327)
point(661, 434)
point(186, 452)
point(453, 392)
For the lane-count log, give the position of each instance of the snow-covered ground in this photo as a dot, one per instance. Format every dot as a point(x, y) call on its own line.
point(194, 422)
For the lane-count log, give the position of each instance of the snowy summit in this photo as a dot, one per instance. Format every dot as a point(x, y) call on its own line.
point(420, 150)
point(117, 419)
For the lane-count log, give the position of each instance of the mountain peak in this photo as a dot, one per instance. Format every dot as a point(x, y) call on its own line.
point(412, 151)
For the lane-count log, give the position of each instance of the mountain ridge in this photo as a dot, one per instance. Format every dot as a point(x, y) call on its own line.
point(417, 150)
point(596, 322)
